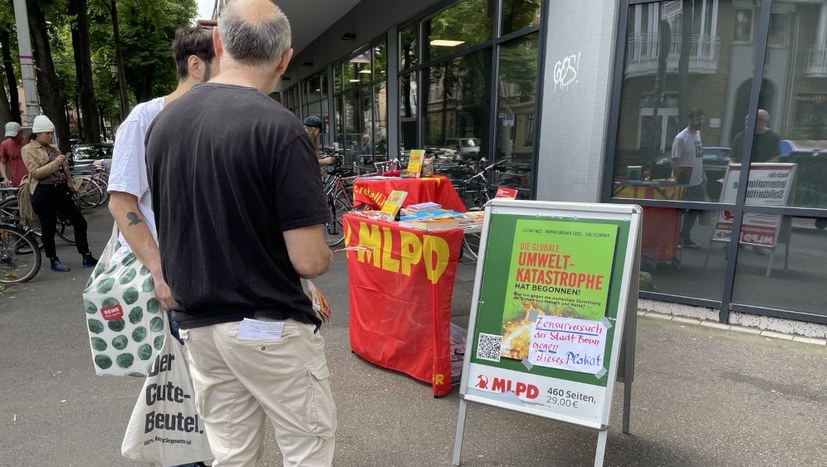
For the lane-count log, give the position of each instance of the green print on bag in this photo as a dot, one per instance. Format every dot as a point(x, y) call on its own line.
point(136, 315)
point(103, 361)
point(156, 325)
point(120, 342)
point(130, 258)
point(130, 296)
point(99, 344)
point(145, 352)
point(153, 305)
point(125, 360)
point(139, 334)
point(148, 285)
point(123, 316)
point(116, 325)
point(127, 276)
point(105, 285)
point(95, 326)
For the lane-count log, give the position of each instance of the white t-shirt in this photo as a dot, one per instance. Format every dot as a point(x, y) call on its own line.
point(128, 172)
point(689, 151)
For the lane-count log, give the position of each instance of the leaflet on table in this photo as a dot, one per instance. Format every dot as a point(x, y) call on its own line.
point(392, 205)
point(432, 224)
point(415, 159)
point(422, 215)
point(426, 206)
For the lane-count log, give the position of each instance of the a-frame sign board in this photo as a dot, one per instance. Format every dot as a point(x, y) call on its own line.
point(553, 285)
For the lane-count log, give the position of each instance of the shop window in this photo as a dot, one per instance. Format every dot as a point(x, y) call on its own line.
point(407, 48)
point(459, 27)
point(516, 101)
point(459, 89)
point(520, 14)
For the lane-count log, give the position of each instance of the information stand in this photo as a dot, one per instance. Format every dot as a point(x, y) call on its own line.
point(769, 184)
point(548, 312)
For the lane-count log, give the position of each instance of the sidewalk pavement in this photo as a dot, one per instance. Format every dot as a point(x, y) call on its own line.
point(703, 396)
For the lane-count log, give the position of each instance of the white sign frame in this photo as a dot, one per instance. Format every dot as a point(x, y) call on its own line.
point(598, 419)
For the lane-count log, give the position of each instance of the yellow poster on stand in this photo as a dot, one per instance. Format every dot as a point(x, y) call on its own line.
point(393, 204)
point(417, 156)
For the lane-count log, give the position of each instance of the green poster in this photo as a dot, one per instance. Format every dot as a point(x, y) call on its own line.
point(557, 268)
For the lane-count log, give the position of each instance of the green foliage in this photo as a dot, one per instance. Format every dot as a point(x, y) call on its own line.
point(147, 28)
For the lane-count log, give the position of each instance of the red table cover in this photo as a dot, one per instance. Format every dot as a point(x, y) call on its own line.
point(400, 297)
point(374, 192)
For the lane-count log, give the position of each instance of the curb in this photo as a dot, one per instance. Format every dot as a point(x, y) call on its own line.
point(730, 327)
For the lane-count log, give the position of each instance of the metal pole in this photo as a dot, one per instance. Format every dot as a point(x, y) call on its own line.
point(24, 43)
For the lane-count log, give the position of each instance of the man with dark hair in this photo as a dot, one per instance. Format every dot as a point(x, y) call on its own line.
point(688, 169)
point(239, 207)
point(130, 203)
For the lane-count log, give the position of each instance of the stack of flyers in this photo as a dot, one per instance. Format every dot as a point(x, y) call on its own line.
point(320, 304)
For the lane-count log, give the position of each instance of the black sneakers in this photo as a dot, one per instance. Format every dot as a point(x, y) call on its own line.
point(689, 244)
point(57, 266)
point(89, 260)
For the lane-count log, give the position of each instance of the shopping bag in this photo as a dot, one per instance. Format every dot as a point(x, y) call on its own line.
point(124, 319)
point(165, 427)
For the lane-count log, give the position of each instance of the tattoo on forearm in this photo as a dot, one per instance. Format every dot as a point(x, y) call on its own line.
point(134, 218)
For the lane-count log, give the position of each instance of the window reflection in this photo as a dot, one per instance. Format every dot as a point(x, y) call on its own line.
point(515, 113)
point(672, 268)
point(793, 263)
point(794, 96)
point(675, 97)
point(519, 14)
point(458, 105)
point(461, 26)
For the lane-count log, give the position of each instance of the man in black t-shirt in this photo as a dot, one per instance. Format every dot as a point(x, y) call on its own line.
point(239, 207)
point(766, 144)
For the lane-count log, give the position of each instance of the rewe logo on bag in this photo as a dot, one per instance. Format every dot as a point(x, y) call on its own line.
point(112, 312)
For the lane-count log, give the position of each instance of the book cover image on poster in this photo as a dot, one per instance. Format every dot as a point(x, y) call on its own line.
point(559, 269)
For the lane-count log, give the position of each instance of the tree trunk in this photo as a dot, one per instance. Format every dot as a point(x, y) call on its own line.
point(13, 101)
point(52, 98)
point(116, 34)
point(91, 132)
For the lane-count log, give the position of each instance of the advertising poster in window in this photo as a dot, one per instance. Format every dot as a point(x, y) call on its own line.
point(547, 315)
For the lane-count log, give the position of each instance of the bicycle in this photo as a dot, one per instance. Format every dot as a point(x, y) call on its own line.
point(90, 186)
point(338, 190)
point(10, 214)
point(20, 256)
point(475, 192)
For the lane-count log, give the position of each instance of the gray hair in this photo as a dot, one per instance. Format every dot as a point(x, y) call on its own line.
point(254, 41)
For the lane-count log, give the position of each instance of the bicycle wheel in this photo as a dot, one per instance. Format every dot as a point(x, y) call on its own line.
point(89, 192)
point(65, 230)
point(9, 212)
point(471, 245)
point(19, 256)
point(334, 232)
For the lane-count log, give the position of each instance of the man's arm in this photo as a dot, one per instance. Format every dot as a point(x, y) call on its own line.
point(308, 251)
point(124, 208)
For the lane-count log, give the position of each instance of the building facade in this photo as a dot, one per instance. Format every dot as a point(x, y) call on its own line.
point(584, 99)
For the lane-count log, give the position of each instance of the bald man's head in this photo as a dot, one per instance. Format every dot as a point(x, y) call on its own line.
point(254, 32)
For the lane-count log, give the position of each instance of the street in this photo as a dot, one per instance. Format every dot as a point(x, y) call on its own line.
point(702, 396)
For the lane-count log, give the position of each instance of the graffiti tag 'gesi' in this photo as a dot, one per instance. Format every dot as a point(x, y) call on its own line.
point(381, 243)
point(565, 73)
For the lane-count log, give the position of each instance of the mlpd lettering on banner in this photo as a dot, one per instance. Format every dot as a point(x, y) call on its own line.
point(381, 241)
